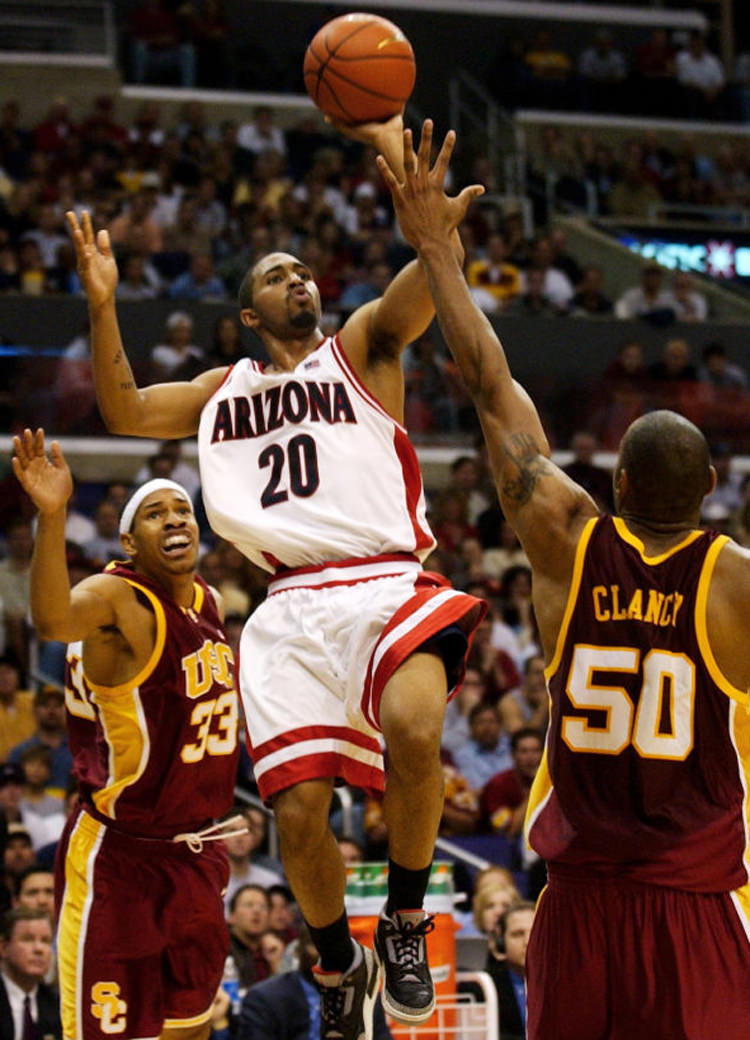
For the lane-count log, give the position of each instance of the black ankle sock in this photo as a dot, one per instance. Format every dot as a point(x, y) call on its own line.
point(334, 944)
point(406, 888)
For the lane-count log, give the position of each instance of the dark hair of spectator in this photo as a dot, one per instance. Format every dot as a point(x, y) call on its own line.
point(524, 733)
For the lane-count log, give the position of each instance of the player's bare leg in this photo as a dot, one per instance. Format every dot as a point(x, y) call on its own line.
point(347, 976)
point(411, 718)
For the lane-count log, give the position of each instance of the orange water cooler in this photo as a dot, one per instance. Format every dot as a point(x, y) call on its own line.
point(366, 892)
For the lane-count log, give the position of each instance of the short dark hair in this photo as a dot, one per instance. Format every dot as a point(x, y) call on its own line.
point(27, 872)
point(480, 709)
point(520, 904)
point(667, 462)
point(245, 294)
point(249, 888)
point(20, 913)
point(523, 734)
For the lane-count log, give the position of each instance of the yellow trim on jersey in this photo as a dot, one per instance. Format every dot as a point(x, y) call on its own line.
point(541, 789)
point(122, 719)
point(575, 583)
point(183, 1023)
point(701, 628)
point(71, 931)
point(159, 641)
point(741, 899)
point(739, 732)
point(198, 598)
point(628, 536)
point(126, 733)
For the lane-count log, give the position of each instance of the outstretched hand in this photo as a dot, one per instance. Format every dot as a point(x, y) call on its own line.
point(96, 263)
point(46, 480)
point(425, 213)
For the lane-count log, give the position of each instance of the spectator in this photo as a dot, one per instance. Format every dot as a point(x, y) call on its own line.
point(675, 365)
point(505, 796)
point(29, 1007)
point(175, 467)
point(633, 194)
point(47, 235)
point(582, 469)
point(647, 301)
point(281, 916)
point(488, 749)
point(14, 586)
point(378, 276)
point(456, 729)
point(260, 135)
point(136, 219)
point(493, 274)
point(432, 400)
point(589, 301)
point(718, 370)
point(211, 35)
point(603, 70)
point(183, 238)
point(528, 704)
point(621, 395)
point(549, 69)
point(689, 304)
point(49, 713)
point(533, 301)
point(507, 553)
point(105, 545)
point(139, 279)
point(18, 854)
point(226, 343)
point(198, 283)
point(35, 890)
point(287, 1007)
point(177, 349)
point(41, 810)
point(702, 77)
point(557, 285)
point(506, 963)
point(728, 492)
point(12, 779)
point(16, 706)
point(51, 135)
point(494, 891)
point(248, 920)
point(157, 45)
point(243, 870)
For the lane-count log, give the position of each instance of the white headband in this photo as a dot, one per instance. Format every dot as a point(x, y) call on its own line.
point(159, 484)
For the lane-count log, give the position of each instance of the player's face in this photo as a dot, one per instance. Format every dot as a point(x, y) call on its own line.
point(286, 301)
point(164, 539)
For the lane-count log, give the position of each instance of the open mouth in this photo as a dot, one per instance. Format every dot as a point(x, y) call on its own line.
point(176, 545)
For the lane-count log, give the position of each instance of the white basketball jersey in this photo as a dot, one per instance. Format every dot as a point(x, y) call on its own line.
point(304, 467)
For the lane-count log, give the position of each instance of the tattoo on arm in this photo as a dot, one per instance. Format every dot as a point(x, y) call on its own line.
point(524, 452)
point(117, 358)
point(127, 386)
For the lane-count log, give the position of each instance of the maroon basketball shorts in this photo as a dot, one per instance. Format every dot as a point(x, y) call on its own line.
point(142, 937)
point(613, 960)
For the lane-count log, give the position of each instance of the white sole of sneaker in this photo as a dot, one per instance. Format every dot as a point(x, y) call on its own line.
point(371, 995)
point(399, 1013)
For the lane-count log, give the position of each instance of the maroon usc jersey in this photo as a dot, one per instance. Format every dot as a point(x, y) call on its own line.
point(157, 755)
point(645, 771)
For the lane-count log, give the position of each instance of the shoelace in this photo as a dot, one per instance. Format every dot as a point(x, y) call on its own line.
point(408, 942)
point(332, 1003)
point(230, 828)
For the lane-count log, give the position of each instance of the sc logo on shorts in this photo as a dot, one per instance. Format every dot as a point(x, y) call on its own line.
point(107, 1006)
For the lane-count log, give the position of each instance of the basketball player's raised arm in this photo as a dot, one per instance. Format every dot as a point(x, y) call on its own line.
point(57, 612)
point(380, 330)
point(165, 410)
point(527, 480)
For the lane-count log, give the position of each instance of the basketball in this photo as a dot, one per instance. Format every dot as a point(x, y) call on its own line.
point(359, 68)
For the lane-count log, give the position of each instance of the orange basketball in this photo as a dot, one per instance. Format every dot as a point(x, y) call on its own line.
point(359, 68)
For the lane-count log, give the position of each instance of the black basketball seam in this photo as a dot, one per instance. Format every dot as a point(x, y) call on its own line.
point(331, 53)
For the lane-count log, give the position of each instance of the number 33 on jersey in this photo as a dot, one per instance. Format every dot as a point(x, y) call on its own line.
point(165, 751)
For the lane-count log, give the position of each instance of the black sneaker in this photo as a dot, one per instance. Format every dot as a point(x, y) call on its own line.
point(408, 993)
point(347, 998)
